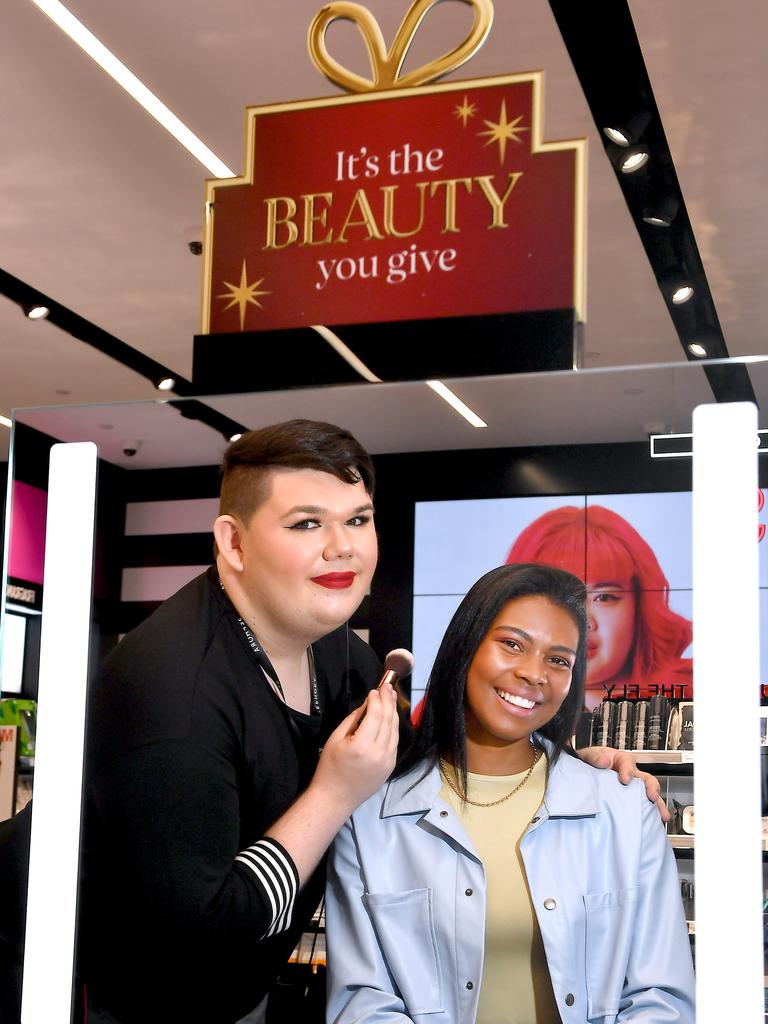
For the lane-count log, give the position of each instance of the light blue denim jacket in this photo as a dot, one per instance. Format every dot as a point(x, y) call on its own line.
point(405, 906)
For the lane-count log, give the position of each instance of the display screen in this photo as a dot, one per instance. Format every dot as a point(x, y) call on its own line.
point(633, 551)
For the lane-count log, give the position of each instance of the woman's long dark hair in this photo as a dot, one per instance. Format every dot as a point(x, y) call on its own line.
point(441, 731)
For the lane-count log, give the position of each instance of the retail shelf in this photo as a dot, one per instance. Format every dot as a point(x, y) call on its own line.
point(687, 843)
point(681, 842)
point(663, 756)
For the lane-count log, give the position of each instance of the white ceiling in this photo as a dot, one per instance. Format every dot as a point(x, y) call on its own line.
point(98, 203)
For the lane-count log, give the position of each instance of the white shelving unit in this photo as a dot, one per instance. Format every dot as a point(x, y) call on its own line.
point(663, 756)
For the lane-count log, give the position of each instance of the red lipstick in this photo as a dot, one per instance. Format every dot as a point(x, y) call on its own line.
point(335, 580)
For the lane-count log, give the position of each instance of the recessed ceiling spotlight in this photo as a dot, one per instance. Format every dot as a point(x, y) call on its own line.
point(696, 349)
point(662, 213)
point(655, 220)
point(626, 130)
point(37, 311)
point(234, 437)
point(681, 294)
point(634, 160)
point(166, 383)
point(616, 135)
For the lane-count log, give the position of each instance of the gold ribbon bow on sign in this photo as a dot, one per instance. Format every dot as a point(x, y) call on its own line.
point(386, 65)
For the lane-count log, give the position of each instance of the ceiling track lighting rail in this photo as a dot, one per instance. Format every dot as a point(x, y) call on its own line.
point(192, 409)
point(84, 330)
point(613, 76)
point(163, 379)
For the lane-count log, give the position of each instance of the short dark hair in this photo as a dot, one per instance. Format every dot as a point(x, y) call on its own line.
point(295, 444)
point(441, 731)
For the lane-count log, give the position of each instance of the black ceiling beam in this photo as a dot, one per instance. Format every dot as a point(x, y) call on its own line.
point(192, 409)
point(603, 46)
point(25, 296)
point(67, 320)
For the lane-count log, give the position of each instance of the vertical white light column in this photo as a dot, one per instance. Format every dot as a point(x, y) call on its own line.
point(729, 890)
point(53, 864)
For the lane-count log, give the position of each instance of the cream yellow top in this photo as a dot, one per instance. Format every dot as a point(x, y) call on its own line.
point(516, 988)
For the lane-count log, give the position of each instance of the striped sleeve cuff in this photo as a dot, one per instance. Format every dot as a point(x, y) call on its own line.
point(278, 878)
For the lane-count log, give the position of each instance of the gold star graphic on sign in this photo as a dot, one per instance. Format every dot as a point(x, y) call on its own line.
point(465, 111)
point(503, 131)
point(243, 294)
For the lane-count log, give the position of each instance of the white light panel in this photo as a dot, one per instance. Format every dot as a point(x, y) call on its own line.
point(65, 630)
point(728, 865)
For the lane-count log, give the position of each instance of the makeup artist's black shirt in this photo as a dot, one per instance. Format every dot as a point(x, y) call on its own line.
point(190, 758)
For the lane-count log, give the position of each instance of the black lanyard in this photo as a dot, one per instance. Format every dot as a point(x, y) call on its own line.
point(266, 665)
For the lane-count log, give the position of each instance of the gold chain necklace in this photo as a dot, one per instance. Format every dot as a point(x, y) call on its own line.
point(493, 803)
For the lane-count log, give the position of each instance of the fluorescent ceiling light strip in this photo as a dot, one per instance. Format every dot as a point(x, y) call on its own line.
point(728, 865)
point(53, 864)
point(456, 403)
point(98, 52)
point(5, 422)
point(346, 353)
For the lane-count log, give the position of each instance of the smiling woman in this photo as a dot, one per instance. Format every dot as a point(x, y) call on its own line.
point(525, 661)
point(518, 885)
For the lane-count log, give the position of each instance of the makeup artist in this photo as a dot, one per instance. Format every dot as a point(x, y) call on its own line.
point(209, 805)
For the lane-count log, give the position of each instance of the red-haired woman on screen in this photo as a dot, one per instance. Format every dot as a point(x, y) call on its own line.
point(635, 638)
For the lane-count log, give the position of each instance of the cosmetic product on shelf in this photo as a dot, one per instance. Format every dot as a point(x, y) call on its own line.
point(673, 730)
point(625, 718)
point(640, 730)
point(686, 725)
point(687, 892)
point(604, 724)
point(658, 716)
point(583, 735)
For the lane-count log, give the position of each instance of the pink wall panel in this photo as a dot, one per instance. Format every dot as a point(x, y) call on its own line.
point(26, 551)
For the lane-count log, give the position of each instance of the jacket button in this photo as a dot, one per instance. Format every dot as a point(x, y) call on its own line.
point(443, 814)
point(467, 892)
point(470, 986)
point(550, 904)
point(569, 1000)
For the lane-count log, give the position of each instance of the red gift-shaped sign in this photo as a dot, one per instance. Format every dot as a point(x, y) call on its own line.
point(405, 204)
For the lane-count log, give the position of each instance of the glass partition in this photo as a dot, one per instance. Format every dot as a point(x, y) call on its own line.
point(585, 407)
point(453, 500)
